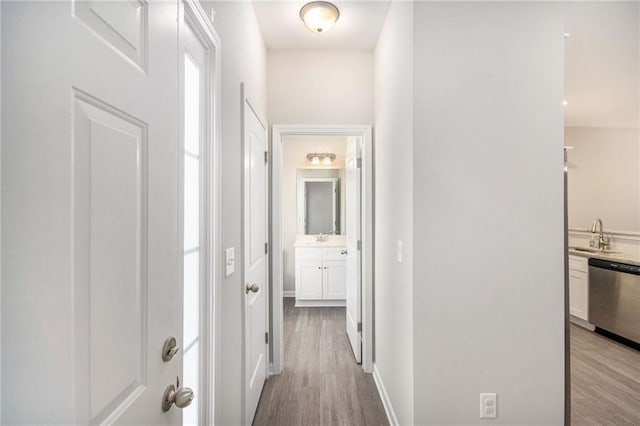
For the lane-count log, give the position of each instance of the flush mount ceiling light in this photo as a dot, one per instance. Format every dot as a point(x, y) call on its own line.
point(316, 157)
point(319, 16)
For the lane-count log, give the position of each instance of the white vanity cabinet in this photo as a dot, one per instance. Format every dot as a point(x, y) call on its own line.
point(321, 276)
point(579, 289)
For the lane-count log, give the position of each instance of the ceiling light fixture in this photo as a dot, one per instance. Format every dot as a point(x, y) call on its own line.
point(319, 16)
point(316, 157)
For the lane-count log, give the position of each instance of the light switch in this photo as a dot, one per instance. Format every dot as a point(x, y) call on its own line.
point(230, 261)
point(400, 253)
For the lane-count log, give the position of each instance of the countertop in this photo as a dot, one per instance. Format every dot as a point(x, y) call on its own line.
point(310, 241)
point(615, 257)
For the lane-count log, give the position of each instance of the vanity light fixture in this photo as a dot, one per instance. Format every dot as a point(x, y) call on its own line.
point(319, 16)
point(316, 157)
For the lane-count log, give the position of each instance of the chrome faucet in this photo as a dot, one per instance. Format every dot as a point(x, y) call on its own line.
point(321, 238)
point(597, 228)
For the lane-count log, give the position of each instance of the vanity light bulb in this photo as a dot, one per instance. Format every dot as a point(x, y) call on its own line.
point(315, 161)
point(326, 161)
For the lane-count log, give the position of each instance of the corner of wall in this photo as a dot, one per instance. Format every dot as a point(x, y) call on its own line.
point(393, 98)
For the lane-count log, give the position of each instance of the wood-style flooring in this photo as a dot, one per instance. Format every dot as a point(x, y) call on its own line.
point(321, 383)
point(605, 380)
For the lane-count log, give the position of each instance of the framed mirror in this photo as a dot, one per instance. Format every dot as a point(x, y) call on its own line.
point(318, 202)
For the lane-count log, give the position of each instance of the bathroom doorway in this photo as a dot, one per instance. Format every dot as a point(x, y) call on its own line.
point(322, 230)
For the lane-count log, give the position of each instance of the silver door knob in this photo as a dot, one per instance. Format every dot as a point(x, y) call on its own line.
point(254, 288)
point(181, 398)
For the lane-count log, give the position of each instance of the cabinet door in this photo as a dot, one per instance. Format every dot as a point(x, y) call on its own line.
point(335, 277)
point(579, 294)
point(309, 279)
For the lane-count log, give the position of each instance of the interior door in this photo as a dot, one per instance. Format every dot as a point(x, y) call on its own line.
point(255, 257)
point(95, 109)
point(353, 287)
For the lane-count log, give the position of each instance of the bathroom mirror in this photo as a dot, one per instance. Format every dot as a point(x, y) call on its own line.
point(319, 202)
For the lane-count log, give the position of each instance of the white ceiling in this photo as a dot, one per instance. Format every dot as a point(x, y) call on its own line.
point(358, 27)
point(602, 64)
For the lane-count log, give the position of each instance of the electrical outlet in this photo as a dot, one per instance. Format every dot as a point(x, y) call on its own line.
point(488, 406)
point(400, 252)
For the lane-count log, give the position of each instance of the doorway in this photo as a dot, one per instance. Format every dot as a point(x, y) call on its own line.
point(354, 249)
point(602, 210)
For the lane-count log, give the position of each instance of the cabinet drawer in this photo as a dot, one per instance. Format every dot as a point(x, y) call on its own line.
point(303, 253)
point(334, 253)
point(577, 263)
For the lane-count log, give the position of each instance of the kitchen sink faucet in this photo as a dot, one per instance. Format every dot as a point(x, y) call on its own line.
point(603, 241)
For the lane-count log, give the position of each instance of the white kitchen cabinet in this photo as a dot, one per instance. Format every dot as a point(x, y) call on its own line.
point(579, 288)
point(321, 276)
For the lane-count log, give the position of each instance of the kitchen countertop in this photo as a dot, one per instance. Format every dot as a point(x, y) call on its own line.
point(615, 257)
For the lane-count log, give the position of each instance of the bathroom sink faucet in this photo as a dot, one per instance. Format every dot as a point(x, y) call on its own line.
point(597, 227)
point(321, 238)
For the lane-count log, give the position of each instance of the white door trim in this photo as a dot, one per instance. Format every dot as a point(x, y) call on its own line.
point(197, 18)
point(277, 340)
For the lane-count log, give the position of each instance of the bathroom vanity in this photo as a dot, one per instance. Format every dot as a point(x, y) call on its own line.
point(320, 276)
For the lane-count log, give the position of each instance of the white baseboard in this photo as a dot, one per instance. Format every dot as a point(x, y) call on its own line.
point(386, 402)
point(289, 293)
point(320, 303)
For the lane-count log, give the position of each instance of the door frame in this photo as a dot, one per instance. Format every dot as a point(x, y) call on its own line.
point(194, 15)
point(248, 106)
point(366, 220)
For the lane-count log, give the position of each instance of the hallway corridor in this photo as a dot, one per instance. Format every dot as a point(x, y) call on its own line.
point(321, 384)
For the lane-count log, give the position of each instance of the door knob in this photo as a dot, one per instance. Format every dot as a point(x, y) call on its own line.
point(181, 398)
point(254, 288)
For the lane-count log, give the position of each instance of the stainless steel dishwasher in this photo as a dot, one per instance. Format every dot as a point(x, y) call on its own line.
point(614, 298)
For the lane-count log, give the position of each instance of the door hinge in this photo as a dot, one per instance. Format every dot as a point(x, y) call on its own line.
point(266, 248)
point(266, 157)
point(359, 162)
point(359, 327)
point(266, 337)
point(359, 245)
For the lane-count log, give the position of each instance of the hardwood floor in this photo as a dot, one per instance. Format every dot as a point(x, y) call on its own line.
point(605, 381)
point(321, 383)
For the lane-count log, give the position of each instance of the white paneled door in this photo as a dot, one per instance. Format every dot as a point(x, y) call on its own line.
point(125, 208)
point(353, 287)
point(255, 288)
point(95, 149)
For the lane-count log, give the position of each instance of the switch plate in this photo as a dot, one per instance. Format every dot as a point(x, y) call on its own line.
point(400, 250)
point(230, 261)
point(488, 405)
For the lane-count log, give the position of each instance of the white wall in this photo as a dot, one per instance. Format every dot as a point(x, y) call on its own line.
point(243, 60)
point(393, 208)
point(604, 177)
point(36, 289)
point(320, 86)
point(488, 298)
point(294, 152)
